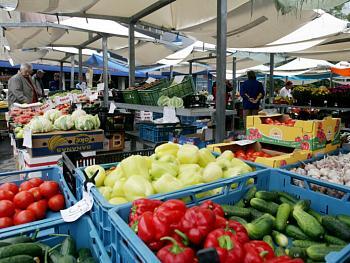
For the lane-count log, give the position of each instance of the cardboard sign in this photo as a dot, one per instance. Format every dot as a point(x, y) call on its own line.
point(112, 107)
point(63, 100)
point(48, 105)
point(27, 138)
point(169, 115)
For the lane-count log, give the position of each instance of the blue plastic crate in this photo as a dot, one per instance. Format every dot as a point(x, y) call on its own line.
point(187, 120)
point(127, 247)
point(50, 173)
point(99, 211)
point(83, 231)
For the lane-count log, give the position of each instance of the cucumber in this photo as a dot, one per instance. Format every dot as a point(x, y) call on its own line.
point(4, 244)
point(30, 249)
point(280, 239)
point(319, 252)
point(260, 227)
point(284, 200)
point(268, 239)
point(18, 239)
point(344, 218)
point(279, 251)
point(264, 206)
point(267, 196)
point(303, 204)
point(68, 246)
point(84, 253)
point(308, 224)
point(304, 243)
point(18, 259)
point(282, 216)
point(316, 215)
point(67, 259)
point(336, 227)
point(239, 220)
point(54, 256)
point(249, 195)
point(295, 232)
point(288, 196)
point(230, 210)
point(87, 260)
point(240, 203)
point(331, 240)
point(254, 213)
point(297, 252)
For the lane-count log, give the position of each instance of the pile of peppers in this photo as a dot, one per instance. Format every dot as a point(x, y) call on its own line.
point(176, 233)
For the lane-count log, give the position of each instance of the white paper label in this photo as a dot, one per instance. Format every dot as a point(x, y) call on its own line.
point(74, 212)
point(178, 79)
point(100, 87)
point(63, 100)
point(13, 142)
point(47, 106)
point(112, 107)
point(94, 96)
point(27, 138)
point(150, 80)
point(79, 106)
point(244, 142)
point(169, 115)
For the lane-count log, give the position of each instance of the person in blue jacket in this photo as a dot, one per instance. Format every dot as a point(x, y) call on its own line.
point(252, 91)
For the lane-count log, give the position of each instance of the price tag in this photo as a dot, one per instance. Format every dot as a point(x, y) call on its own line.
point(169, 115)
point(112, 107)
point(13, 142)
point(63, 100)
point(100, 87)
point(78, 106)
point(27, 138)
point(74, 212)
point(47, 106)
point(244, 142)
point(94, 96)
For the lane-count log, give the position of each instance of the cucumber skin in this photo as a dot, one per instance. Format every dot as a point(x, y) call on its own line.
point(315, 215)
point(297, 252)
point(308, 224)
point(254, 213)
point(30, 249)
point(18, 259)
point(295, 232)
point(279, 251)
point(288, 196)
point(280, 239)
point(267, 196)
point(240, 203)
point(18, 239)
point(249, 195)
point(318, 252)
point(336, 227)
point(236, 211)
point(282, 216)
point(305, 243)
point(239, 220)
point(334, 240)
point(303, 204)
point(260, 228)
point(284, 200)
point(344, 218)
point(262, 205)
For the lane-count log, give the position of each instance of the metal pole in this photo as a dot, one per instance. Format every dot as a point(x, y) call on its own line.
point(171, 72)
point(190, 70)
point(61, 75)
point(272, 64)
point(221, 69)
point(331, 80)
point(132, 66)
point(234, 88)
point(80, 64)
point(72, 72)
point(105, 70)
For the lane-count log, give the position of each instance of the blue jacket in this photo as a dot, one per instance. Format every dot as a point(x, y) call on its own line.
point(252, 88)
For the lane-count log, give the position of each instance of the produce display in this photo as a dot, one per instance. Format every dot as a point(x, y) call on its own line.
point(171, 168)
point(3, 104)
point(29, 249)
point(287, 122)
point(175, 102)
point(146, 85)
point(251, 154)
point(29, 201)
point(264, 226)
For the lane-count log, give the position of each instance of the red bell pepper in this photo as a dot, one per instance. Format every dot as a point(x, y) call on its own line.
point(176, 253)
point(180, 237)
point(257, 252)
point(197, 223)
point(235, 227)
point(171, 212)
point(284, 259)
point(139, 207)
point(216, 208)
point(151, 230)
point(226, 244)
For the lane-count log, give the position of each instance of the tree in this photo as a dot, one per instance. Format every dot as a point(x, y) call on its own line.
point(338, 12)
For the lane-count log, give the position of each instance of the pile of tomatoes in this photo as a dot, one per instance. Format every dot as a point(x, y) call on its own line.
point(29, 201)
point(251, 154)
point(287, 122)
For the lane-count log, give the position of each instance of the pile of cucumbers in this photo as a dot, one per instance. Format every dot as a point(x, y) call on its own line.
point(24, 249)
point(289, 225)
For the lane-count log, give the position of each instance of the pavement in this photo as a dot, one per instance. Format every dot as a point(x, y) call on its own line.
point(7, 160)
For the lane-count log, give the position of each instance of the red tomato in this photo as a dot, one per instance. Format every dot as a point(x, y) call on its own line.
point(39, 208)
point(6, 222)
point(23, 199)
point(25, 186)
point(258, 154)
point(9, 187)
point(36, 193)
point(56, 203)
point(268, 121)
point(252, 159)
point(17, 211)
point(36, 181)
point(49, 189)
point(23, 217)
point(6, 208)
point(250, 152)
point(6, 195)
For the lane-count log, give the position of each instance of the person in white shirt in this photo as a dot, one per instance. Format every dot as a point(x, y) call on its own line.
point(81, 84)
point(286, 92)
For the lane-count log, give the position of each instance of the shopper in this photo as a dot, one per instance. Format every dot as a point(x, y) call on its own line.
point(21, 88)
point(38, 82)
point(229, 88)
point(286, 92)
point(55, 83)
point(252, 91)
point(81, 85)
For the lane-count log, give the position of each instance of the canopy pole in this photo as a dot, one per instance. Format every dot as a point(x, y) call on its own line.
point(80, 64)
point(221, 70)
point(272, 64)
point(171, 72)
point(234, 88)
point(105, 70)
point(331, 80)
point(72, 64)
point(132, 66)
point(190, 69)
point(61, 75)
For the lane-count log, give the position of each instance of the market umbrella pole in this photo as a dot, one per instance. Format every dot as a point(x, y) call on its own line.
point(132, 55)
point(61, 76)
point(221, 69)
point(80, 64)
point(105, 71)
point(272, 64)
point(72, 72)
point(234, 88)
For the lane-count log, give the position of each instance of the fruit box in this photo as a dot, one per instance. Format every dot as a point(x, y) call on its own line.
point(281, 156)
point(307, 135)
point(56, 142)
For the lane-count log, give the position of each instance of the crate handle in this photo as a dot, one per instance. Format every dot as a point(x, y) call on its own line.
point(88, 179)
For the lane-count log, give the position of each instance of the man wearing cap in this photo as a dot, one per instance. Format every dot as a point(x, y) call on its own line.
point(38, 82)
point(286, 92)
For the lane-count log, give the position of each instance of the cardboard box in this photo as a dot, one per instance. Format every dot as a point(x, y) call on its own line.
point(306, 135)
point(53, 143)
point(279, 157)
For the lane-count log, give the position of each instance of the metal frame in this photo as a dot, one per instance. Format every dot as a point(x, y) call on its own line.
point(272, 84)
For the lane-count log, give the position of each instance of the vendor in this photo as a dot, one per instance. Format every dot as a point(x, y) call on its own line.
point(38, 82)
point(55, 83)
point(252, 91)
point(229, 88)
point(81, 85)
point(286, 92)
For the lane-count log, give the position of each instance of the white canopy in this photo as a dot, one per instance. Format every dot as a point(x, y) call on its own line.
point(304, 64)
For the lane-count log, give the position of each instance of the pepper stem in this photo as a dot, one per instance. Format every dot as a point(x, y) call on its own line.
point(225, 242)
point(184, 238)
point(263, 253)
point(175, 249)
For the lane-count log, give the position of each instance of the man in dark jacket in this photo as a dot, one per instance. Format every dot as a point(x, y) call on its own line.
point(38, 82)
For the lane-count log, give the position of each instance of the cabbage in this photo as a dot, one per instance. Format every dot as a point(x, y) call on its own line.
point(85, 123)
point(77, 114)
point(64, 123)
point(52, 115)
point(163, 101)
point(40, 124)
point(176, 102)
